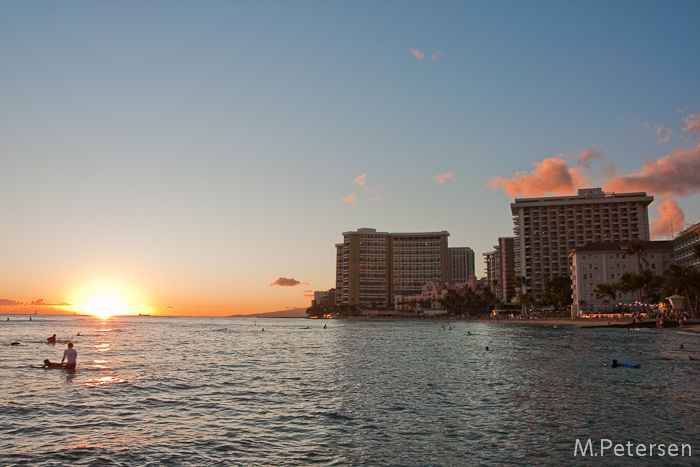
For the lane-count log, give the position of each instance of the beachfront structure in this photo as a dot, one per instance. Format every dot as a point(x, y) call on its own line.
point(461, 263)
point(372, 267)
point(500, 269)
point(684, 246)
point(429, 297)
point(324, 298)
point(548, 229)
point(605, 263)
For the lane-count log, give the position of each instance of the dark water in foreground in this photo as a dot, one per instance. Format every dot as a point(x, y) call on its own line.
point(220, 391)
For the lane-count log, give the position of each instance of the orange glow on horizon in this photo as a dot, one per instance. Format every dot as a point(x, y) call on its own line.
point(106, 298)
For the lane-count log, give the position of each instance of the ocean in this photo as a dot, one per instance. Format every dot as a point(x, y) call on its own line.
point(176, 391)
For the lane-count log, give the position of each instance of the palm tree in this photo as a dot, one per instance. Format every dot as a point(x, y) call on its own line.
point(607, 291)
point(680, 280)
point(526, 301)
point(636, 248)
point(520, 283)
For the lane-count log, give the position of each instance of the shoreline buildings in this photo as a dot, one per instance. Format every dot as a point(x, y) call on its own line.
point(548, 229)
point(684, 246)
point(372, 267)
point(500, 269)
point(606, 263)
point(461, 263)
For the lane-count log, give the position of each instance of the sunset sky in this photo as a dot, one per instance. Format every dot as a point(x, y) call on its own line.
point(203, 158)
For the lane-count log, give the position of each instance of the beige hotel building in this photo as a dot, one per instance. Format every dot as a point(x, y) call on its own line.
point(548, 229)
point(372, 267)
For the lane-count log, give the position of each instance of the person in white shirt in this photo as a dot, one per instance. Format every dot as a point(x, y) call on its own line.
point(70, 356)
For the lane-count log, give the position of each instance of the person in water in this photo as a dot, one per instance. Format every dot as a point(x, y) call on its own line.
point(50, 364)
point(70, 356)
point(614, 363)
point(52, 339)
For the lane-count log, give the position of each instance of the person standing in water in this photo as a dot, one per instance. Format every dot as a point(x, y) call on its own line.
point(70, 356)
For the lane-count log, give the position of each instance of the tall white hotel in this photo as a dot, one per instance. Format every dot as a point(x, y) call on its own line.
point(548, 229)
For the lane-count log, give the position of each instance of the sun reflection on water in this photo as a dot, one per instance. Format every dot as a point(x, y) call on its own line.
point(95, 382)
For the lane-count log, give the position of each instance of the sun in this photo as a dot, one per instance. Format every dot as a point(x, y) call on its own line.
point(104, 306)
point(107, 297)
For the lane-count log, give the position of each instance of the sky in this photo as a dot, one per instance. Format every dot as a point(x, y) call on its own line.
point(204, 158)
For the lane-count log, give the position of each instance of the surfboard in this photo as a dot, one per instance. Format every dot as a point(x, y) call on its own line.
point(624, 365)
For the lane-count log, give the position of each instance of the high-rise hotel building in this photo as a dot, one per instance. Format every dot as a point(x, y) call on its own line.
point(548, 229)
point(500, 269)
point(372, 267)
point(461, 261)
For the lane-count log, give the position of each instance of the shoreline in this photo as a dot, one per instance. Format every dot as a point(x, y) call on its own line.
point(693, 327)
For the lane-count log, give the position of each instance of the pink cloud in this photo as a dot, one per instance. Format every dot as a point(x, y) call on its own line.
point(349, 199)
point(418, 54)
point(436, 55)
point(588, 156)
point(671, 220)
point(551, 176)
point(692, 123)
point(284, 282)
point(676, 174)
point(360, 181)
point(662, 132)
point(445, 177)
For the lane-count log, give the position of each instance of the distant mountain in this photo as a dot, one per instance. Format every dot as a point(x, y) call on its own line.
point(293, 313)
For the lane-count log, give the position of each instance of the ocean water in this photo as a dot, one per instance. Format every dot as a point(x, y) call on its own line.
point(224, 392)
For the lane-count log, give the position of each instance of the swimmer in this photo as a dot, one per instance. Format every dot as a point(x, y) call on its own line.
point(71, 355)
point(52, 339)
point(681, 347)
point(49, 364)
point(16, 343)
point(469, 333)
point(689, 357)
point(486, 349)
point(614, 363)
point(324, 326)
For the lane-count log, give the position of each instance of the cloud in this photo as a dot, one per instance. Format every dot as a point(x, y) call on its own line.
point(38, 302)
point(436, 55)
point(588, 156)
point(284, 282)
point(676, 174)
point(662, 132)
point(671, 219)
point(551, 176)
point(445, 177)
point(418, 54)
point(306, 295)
point(349, 199)
point(692, 123)
point(368, 191)
point(8, 302)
